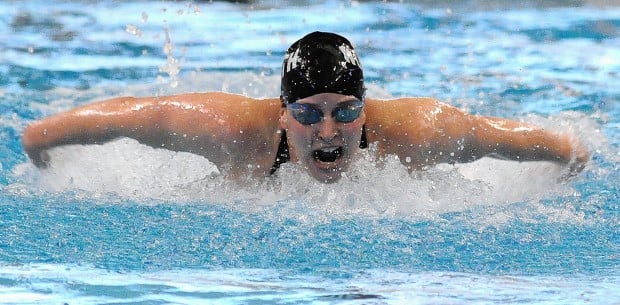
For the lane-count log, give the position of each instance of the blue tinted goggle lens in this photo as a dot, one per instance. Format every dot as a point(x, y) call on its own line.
point(348, 112)
point(309, 114)
point(305, 114)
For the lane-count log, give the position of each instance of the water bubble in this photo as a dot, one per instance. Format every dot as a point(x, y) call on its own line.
point(133, 30)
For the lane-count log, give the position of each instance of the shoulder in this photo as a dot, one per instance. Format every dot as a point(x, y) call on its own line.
point(404, 101)
point(396, 110)
point(211, 110)
point(403, 106)
point(218, 103)
point(223, 98)
point(421, 117)
point(409, 107)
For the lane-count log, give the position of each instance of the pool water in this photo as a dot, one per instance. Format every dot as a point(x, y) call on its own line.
point(125, 223)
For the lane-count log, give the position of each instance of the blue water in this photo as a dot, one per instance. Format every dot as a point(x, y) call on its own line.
point(125, 223)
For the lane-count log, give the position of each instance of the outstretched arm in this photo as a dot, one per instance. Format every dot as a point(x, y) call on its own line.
point(91, 124)
point(523, 142)
point(424, 131)
point(224, 128)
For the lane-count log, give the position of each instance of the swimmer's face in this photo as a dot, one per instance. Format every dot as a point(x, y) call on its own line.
point(323, 133)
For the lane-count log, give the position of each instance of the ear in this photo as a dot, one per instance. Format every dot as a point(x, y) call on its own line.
point(283, 122)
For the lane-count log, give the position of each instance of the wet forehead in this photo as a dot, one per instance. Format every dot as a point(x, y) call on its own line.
point(327, 100)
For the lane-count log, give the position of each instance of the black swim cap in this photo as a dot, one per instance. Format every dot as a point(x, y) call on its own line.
point(321, 62)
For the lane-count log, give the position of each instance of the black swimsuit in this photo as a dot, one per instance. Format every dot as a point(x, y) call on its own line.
point(283, 155)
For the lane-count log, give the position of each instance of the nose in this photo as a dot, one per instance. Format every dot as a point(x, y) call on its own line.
point(327, 129)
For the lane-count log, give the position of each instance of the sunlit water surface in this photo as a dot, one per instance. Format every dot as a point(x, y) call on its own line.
point(126, 223)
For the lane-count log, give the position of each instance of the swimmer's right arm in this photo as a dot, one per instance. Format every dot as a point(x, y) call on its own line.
point(91, 124)
point(207, 124)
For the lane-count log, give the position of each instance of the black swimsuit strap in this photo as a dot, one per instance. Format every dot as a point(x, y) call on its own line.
point(283, 155)
point(364, 140)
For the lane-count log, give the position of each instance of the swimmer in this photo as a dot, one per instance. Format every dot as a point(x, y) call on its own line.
point(320, 121)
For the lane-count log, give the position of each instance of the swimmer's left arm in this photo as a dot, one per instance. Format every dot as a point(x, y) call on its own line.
point(424, 131)
point(514, 140)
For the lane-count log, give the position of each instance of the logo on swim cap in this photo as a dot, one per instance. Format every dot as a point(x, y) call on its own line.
point(321, 62)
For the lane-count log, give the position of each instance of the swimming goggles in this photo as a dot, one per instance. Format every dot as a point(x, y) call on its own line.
point(308, 114)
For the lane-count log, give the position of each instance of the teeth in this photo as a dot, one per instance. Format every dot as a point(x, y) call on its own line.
point(330, 154)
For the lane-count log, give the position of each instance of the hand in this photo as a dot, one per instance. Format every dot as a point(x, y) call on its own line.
point(579, 158)
point(40, 158)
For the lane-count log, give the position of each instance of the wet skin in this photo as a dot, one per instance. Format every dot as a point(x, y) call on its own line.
point(327, 148)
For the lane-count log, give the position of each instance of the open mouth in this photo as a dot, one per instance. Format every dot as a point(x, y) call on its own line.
point(328, 154)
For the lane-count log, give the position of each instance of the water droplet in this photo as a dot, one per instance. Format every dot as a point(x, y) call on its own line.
point(133, 30)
